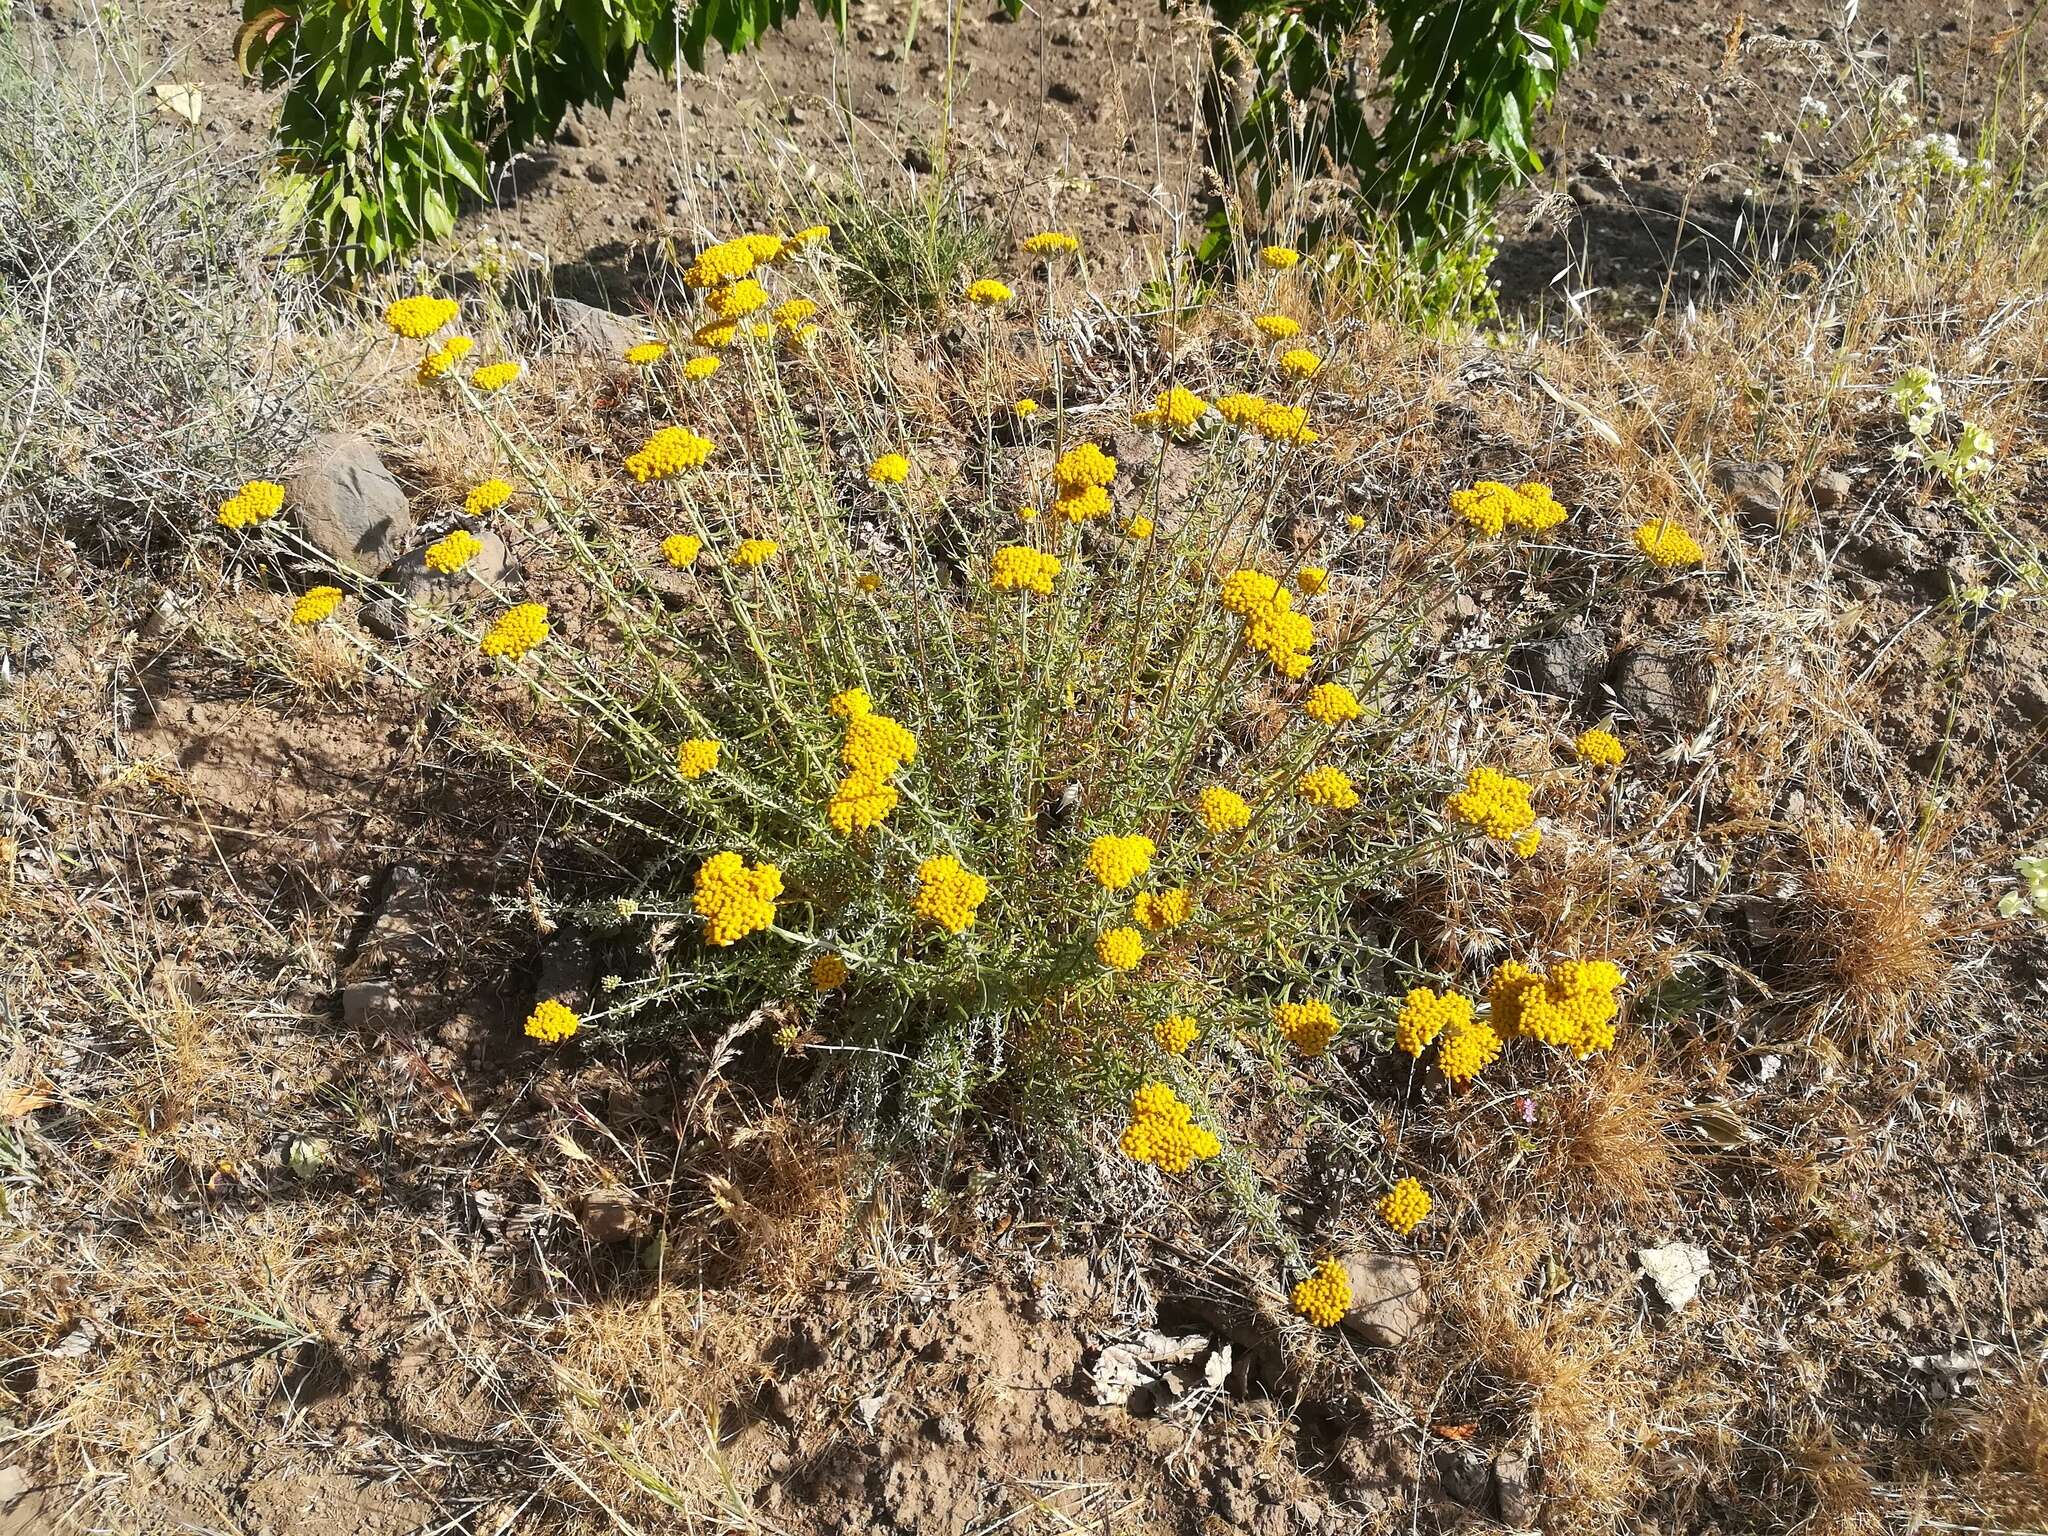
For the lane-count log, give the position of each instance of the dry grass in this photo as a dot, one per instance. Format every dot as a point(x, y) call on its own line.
point(1872, 920)
point(1997, 1449)
point(1606, 1142)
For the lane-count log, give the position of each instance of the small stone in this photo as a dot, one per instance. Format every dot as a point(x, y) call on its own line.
point(346, 503)
point(1567, 665)
point(607, 1216)
point(1655, 690)
point(1830, 489)
point(1462, 1475)
point(568, 968)
point(592, 332)
point(1676, 1270)
point(1758, 491)
point(367, 1004)
point(418, 582)
point(1388, 1301)
point(1514, 1492)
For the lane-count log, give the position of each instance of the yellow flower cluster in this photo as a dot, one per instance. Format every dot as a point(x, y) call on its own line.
point(1311, 579)
point(874, 750)
point(1050, 242)
point(452, 551)
point(1139, 527)
point(1279, 257)
point(715, 333)
point(810, 234)
point(1467, 1049)
point(735, 301)
point(681, 549)
point(733, 898)
point(988, 292)
point(1492, 507)
point(318, 604)
point(516, 631)
point(669, 451)
point(1328, 787)
point(1572, 1009)
point(1117, 861)
point(1496, 803)
point(1271, 626)
point(256, 502)
point(1424, 1015)
point(1020, 568)
point(492, 377)
point(1120, 948)
point(791, 314)
point(1405, 1207)
point(1222, 810)
point(1602, 749)
point(1082, 474)
point(698, 369)
point(1325, 1296)
point(439, 362)
point(948, 894)
point(1278, 327)
point(1285, 424)
point(552, 1021)
point(1159, 910)
point(726, 262)
point(1667, 546)
point(1308, 1026)
point(1026, 408)
point(419, 315)
point(889, 469)
point(1332, 704)
point(1175, 1033)
point(697, 757)
point(486, 496)
point(861, 802)
point(1162, 1131)
point(753, 552)
point(645, 354)
point(1175, 409)
point(1300, 363)
point(828, 972)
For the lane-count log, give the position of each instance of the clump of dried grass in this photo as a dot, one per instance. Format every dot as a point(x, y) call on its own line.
point(1607, 1143)
point(1869, 924)
point(1997, 1450)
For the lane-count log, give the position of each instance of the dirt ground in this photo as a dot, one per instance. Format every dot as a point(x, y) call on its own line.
point(1676, 153)
point(408, 1274)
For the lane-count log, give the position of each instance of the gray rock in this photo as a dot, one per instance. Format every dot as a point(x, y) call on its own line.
point(1514, 1488)
point(1830, 489)
point(568, 968)
point(346, 503)
point(588, 331)
point(1758, 491)
point(1462, 1474)
point(1388, 1302)
point(413, 578)
point(1567, 665)
point(1675, 1270)
point(1656, 691)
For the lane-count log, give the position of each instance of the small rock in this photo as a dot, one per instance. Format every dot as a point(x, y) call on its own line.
point(1462, 1475)
point(1567, 665)
point(1676, 1270)
point(568, 968)
point(1830, 489)
point(1514, 1492)
point(586, 330)
point(418, 582)
point(1758, 491)
point(607, 1216)
point(1388, 1301)
point(1654, 690)
point(13, 1486)
point(347, 504)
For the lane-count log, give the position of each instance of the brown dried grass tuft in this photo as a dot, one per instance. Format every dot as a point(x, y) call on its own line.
point(1868, 923)
point(1606, 1143)
point(1997, 1451)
